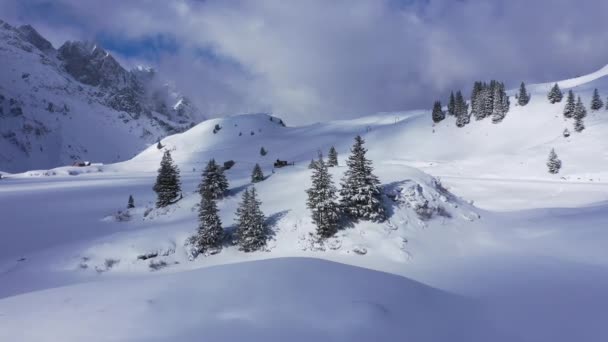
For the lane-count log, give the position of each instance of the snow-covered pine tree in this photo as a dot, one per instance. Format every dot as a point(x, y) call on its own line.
point(554, 164)
point(555, 95)
point(168, 186)
point(501, 103)
point(263, 151)
point(159, 145)
point(213, 180)
point(210, 231)
point(570, 105)
point(257, 175)
point(131, 202)
point(332, 157)
point(438, 113)
point(322, 201)
point(452, 105)
point(596, 101)
point(523, 97)
point(579, 114)
point(311, 165)
point(579, 125)
point(477, 101)
point(361, 195)
point(251, 232)
point(463, 117)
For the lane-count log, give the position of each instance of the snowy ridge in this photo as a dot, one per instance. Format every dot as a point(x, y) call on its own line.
point(50, 100)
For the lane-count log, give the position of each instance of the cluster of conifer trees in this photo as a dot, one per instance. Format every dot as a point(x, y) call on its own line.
point(360, 199)
point(487, 100)
point(360, 192)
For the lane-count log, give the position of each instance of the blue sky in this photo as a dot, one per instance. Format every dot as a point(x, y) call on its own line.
point(314, 60)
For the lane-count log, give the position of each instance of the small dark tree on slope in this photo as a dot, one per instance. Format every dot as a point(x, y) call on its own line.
point(332, 157)
point(596, 101)
point(523, 97)
point(257, 175)
point(361, 195)
point(213, 180)
point(263, 151)
point(554, 164)
point(555, 95)
point(566, 133)
point(251, 232)
point(131, 203)
point(570, 105)
point(462, 111)
point(168, 185)
point(210, 231)
point(501, 103)
point(322, 200)
point(579, 114)
point(438, 113)
point(452, 104)
point(159, 145)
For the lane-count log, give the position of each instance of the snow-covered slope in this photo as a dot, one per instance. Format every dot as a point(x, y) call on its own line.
point(492, 258)
point(78, 103)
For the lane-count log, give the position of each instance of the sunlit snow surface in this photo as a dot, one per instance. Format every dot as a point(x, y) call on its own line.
point(514, 254)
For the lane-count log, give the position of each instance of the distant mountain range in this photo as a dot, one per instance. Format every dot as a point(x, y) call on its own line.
point(77, 102)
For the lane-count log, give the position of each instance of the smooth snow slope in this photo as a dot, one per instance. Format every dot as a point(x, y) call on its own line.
point(273, 300)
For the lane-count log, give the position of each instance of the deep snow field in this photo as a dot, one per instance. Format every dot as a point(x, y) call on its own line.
point(510, 252)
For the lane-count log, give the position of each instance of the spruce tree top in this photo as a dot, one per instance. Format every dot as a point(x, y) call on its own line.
point(168, 184)
point(213, 180)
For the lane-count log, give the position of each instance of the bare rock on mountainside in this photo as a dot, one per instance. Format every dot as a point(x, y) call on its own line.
point(77, 101)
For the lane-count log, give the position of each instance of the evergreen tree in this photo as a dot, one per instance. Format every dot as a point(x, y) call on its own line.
point(263, 151)
point(332, 157)
point(210, 231)
point(251, 232)
point(257, 175)
point(555, 95)
point(554, 164)
point(566, 133)
point(322, 200)
point(159, 145)
point(462, 110)
point(438, 113)
point(361, 195)
point(311, 165)
point(570, 105)
point(213, 180)
point(523, 96)
point(579, 114)
point(168, 185)
point(501, 103)
point(596, 102)
point(477, 101)
point(452, 105)
point(131, 203)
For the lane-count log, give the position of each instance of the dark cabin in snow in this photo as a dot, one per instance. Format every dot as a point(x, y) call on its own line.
point(281, 163)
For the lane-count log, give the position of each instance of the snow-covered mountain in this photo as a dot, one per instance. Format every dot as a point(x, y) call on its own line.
point(77, 102)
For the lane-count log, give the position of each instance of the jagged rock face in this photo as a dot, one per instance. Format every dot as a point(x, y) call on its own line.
point(32, 36)
point(92, 65)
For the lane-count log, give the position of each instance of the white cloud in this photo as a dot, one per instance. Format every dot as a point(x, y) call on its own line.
point(310, 60)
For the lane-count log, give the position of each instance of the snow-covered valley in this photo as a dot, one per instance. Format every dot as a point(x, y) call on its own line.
point(481, 242)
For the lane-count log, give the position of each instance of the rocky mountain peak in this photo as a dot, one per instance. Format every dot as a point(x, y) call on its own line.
point(31, 35)
point(90, 64)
